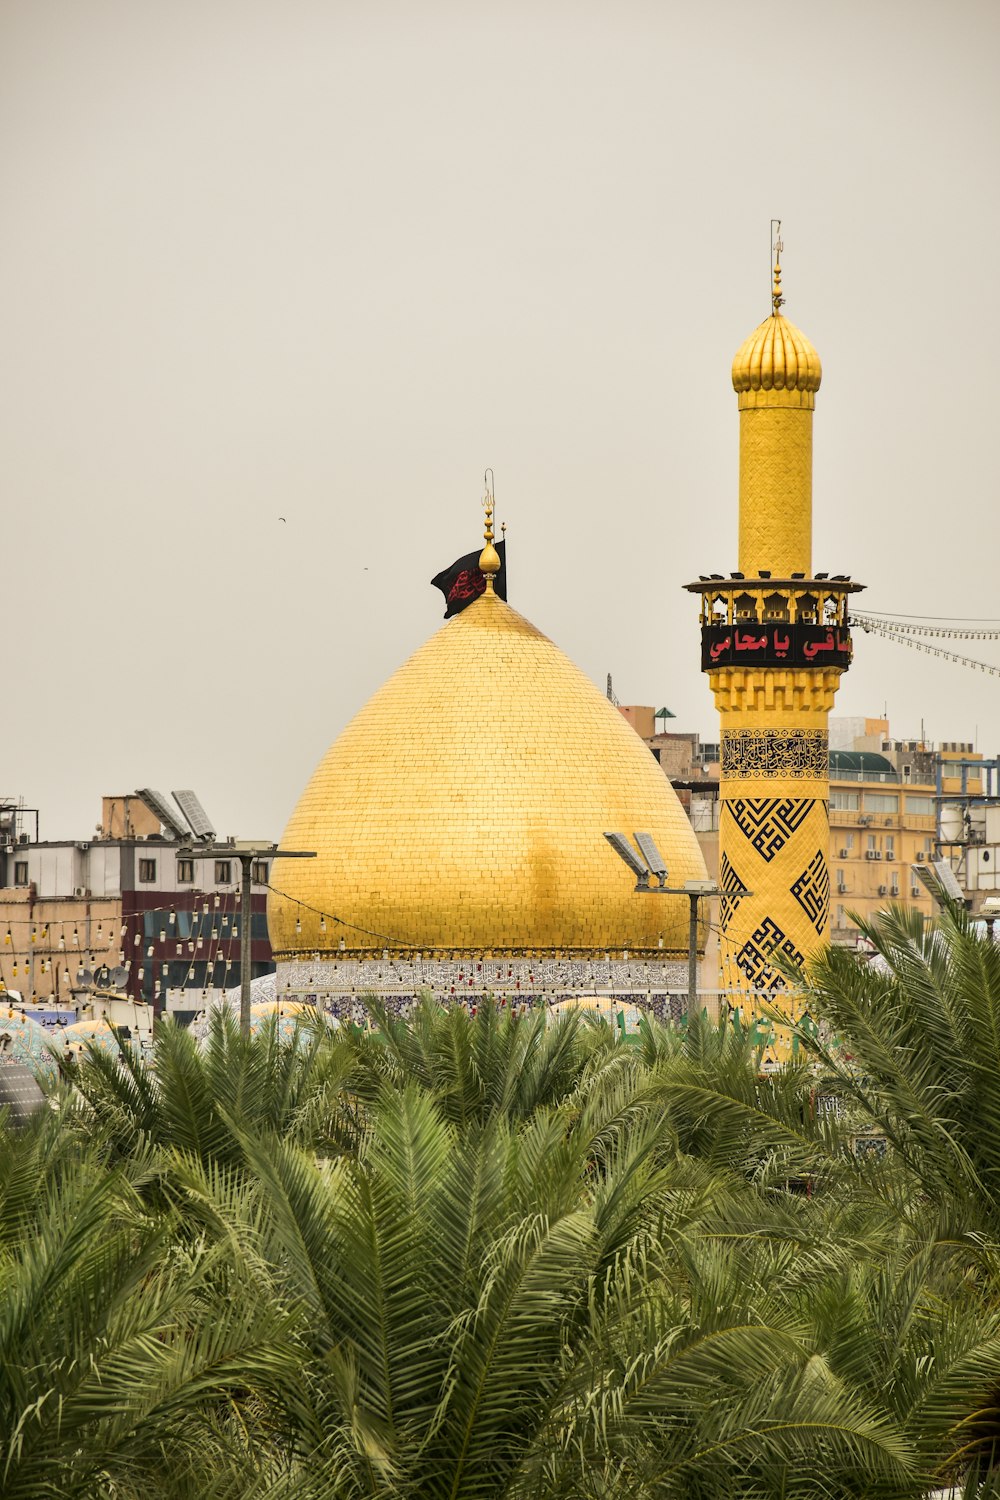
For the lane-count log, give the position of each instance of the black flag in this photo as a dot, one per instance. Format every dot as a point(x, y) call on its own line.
point(463, 582)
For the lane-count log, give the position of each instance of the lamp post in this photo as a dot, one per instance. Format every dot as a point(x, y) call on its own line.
point(941, 885)
point(247, 851)
point(649, 863)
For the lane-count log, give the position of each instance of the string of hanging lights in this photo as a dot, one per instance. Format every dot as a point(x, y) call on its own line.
point(111, 932)
point(329, 917)
point(910, 636)
point(956, 631)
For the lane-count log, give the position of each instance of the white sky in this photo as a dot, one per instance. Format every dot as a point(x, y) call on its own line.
point(328, 260)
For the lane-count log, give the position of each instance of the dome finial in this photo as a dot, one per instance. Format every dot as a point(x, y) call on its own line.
point(776, 248)
point(489, 558)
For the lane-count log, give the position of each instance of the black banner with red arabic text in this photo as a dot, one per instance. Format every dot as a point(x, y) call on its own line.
point(750, 644)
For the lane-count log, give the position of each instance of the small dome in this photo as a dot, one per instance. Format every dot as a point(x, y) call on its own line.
point(777, 357)
point(465, 807)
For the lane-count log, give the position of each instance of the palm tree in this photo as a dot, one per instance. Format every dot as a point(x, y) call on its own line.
point(918, 1055)
point(508, 1258)
point(200, 1101)
point(132, 1365)
point(563, 1304)
point(493, 1062)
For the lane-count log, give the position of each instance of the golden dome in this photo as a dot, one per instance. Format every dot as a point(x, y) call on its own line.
point(777, 357)
point(463, 811)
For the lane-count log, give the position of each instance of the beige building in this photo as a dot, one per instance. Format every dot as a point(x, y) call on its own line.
point(882, 823)
point(132, 911)
point(884, 796)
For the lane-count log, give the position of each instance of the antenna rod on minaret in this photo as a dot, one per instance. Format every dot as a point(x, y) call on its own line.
point(489, 558)
point(774, 267)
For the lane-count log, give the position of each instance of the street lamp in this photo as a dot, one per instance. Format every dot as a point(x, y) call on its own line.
point(650, 864)
point(247, 851)
point(940, 883)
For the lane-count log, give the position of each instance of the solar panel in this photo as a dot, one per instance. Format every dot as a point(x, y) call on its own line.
point(196, 815)
point(946, 875)
point(20, 1092)
point(650, 853)
point(623, 848)
point(160, 808)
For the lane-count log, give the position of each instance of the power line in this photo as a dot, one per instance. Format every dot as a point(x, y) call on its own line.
point(959, 619)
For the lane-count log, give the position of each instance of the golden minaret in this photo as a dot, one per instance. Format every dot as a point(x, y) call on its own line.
point(775, 641)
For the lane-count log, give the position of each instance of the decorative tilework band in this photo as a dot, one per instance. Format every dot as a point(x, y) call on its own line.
point(755, 960)
point(812, 891)
point(758, 754)
point(774, 887)
point(319, 977)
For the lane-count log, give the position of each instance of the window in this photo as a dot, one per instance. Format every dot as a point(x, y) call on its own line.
point(894, 886)
point(147, 871)
point(223, 872)
point(20, 872)
point(185, 871)
point(259, 868)
point(848, 840)
point(882, 802)
point(871, 843)
point(922, 805)
point(890, 847)
point(841, 917)
point(844, 801)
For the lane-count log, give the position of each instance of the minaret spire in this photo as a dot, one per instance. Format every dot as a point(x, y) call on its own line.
point(489, 558)
point(776, 248)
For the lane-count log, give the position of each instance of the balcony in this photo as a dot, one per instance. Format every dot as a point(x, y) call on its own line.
point(856, 818)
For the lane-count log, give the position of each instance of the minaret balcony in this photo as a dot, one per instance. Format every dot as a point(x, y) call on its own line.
point(775, 622)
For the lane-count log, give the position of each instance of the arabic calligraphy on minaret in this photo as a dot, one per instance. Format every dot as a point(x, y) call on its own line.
point(775, 642)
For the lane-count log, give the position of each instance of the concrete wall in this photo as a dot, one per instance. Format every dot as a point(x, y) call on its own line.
point(641, 718)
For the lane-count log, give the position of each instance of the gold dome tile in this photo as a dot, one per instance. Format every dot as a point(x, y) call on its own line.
point(464, 809)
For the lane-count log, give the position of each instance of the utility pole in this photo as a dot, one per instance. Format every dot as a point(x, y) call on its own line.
point(650, 864)
point(247, 851)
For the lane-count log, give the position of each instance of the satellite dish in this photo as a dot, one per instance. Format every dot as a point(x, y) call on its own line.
point(85, 977)
point(118, 978)
point(102, 976)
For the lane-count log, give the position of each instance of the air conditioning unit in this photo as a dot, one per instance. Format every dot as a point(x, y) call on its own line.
point(845, 853)
point(878, 854)
point(841, 888)
point(921, 856)
point(81, 892)
point(870, 854)
point(882, 890)
point(914, 890)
